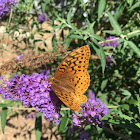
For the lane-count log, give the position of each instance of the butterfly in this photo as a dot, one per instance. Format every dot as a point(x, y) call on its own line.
point(72, 79)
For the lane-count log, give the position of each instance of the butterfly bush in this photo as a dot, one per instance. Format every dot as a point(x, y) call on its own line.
point(33, 91)
point(113, 43)
point(109, 61)
point(91, 113)
point(5, 6)
point(42, 17)
point(31, 116)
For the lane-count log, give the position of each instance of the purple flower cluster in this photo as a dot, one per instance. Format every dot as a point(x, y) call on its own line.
point(5, 6)
point(91, 113)
point(110, 43)
point(19, 57)
point(42, 17)
point(109, 61)
point(31, 116)
point(33, 91)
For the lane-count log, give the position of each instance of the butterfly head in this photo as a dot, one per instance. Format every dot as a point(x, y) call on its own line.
point(52, 80)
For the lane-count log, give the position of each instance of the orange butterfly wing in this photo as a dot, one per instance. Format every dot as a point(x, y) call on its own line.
point(71, 78)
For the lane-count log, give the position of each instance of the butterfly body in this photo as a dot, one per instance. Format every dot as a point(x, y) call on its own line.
point(71, 78)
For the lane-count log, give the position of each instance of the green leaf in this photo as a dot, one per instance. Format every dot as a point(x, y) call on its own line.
point(125, 106)
point(69, 17)
point(103, 84)
point(3, 118)
point(90, 27)
point(135, 6)
point(134, 47)
point(125, 116)
point(120, 9)
point(98, 37)
point(135, 33)
point(132, 101)
point(67, 42)
point(5, 105)
point(126, 93)
point(108, 47)
point(63, 123)
point(85, 37)
point(101, 54)
point(114, 23)
point(101, 7)
point(75, 37)
point(138, 124)
point(130, 2)
point(43, 4)
point(138, 98)
point(125, 44)
point(38, 125)
point(44, 31)
point(110, 32)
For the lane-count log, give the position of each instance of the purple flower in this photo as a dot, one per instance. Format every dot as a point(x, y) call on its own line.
point(83, 135)
point(42, 17)
point(31, 116)
point(114, 43)
point(109, 61)
point(46, 72)
point(33, 90)
point(76, 121)
point(5, 6)
point(19, 57)
point(1, 77)
point(92, 95)
point(91, 112)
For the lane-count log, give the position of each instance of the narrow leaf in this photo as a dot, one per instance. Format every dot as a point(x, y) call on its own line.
point(132, 101)
point(69, 17)
point(136, 5)
point(125, 116)
point(5, 105)
point(120, 9)
point(103, 84)
point(3, 118)
point(98, 37)
point(63, 123)
point(134, 47)
point(75, 37)
point(67, 42)
point(138, 98)
point(125, 92)
point(101, 54)
point(43, 4)
point(108, 47)
point(114, 23)
point(130, 2)
point(90, 27)
point(38, 125)
point(109, 32)
point(101, 7)
point(138, 124)
point(135, 33)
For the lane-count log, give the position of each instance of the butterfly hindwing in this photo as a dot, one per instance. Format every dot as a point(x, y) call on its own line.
point(68, 99)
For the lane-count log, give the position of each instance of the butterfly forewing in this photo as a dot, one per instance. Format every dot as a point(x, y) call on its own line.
point(76, 62)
